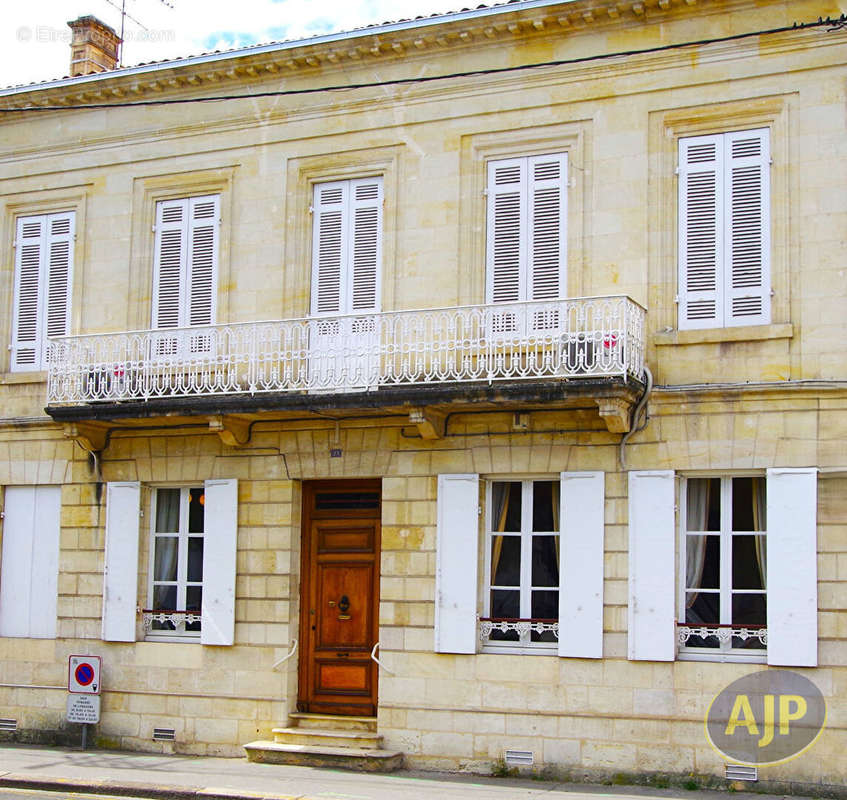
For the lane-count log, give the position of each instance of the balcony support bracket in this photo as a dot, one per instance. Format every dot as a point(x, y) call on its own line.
point(430, 423)
point(233, 432)
point(91, 436)
point(616, 413)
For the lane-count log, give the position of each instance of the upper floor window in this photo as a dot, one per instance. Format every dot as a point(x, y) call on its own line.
point(185, 269)
point(724, 230)
point(724, 565)
point(44, 246)
point(527, 228)
point(347, 246)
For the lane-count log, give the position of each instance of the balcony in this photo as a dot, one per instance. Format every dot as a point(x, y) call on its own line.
point(389, 358)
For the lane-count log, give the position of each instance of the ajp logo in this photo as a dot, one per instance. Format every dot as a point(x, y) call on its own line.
point(766, 717)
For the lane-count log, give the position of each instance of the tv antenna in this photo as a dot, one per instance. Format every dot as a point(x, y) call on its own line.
point(126, 15)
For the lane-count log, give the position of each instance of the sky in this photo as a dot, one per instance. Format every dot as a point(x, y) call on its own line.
point(35, 38)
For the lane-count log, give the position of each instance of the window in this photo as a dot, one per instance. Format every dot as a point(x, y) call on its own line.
point(724, 553)
point(540, 543)
point(724, 230)
point(193, 538)
point(527, 220)
point(43, 279)
point(30, 565)
point(176, 561)
point(346, 279)
point(185, 270)
point(522, 562)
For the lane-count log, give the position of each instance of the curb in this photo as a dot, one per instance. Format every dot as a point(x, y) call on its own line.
point(11, 780)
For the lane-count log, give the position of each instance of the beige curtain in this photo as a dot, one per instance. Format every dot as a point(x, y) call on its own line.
point(697, 514)
point(499, 512)
point(759, 524)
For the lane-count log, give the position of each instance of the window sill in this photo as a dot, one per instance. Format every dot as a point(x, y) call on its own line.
point(745, 333)
point(168, 638)
point(727, 658)
point(11, 378)
point(519, 650)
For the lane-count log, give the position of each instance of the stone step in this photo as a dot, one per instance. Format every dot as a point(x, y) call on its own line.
point(366, 740)
point(336, 722)
point(353, 758)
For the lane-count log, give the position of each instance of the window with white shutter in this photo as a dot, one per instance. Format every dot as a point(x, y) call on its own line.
point(43, 281)
point(347, 246)
point(724, 230)
point(526, 246)
point(185, 273)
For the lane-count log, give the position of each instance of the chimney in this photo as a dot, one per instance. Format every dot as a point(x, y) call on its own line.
point(94, 47)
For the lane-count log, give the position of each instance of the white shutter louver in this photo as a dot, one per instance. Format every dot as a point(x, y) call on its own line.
point(203, 259)
point(120, 570)
point(748, 238)
point(547, 224)
point(506, 221)
point(367, 244)
point(700, 232)
point(43, 282)
point(582, 524)
point(651, 634)
point(792, 583)
point(456, 564)
point(219, 553)
point(170, 254)
point(328, 248)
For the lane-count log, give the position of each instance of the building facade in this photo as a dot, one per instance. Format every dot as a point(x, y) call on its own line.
point(482, 374)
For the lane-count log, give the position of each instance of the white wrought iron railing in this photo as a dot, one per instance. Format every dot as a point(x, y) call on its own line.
point(576, 338)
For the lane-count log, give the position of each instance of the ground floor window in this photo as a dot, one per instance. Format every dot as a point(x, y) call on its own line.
point(723, 572)
point(176, 556)
point(522, 564)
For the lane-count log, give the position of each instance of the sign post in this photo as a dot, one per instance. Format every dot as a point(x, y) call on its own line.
point(84, 692)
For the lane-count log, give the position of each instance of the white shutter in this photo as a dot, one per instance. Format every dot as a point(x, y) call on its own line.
point(456, 564)
point(30, 561)
point(747, 159)
point(792, 588)
point(120, 570)
point(329, 246)
point(26, 330)
point(651, 618)
point(60, 243)
point(43, 280)
point(506, 220)
point(547, 212)
point(203, 222)
point(219, 551)
point(170, 256)
point(701, 214)
point(366, 249)
point(581, 564)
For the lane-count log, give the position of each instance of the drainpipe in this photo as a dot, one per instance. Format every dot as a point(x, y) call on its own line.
point(636, 415)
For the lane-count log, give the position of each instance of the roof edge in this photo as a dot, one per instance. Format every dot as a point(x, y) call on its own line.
point(225, 55)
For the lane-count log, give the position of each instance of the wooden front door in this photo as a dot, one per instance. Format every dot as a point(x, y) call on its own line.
point(339, 597)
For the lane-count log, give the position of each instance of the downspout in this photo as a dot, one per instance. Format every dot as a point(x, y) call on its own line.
point(635, 427)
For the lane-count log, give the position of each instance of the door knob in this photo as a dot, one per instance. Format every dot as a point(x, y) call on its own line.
point(344, 604)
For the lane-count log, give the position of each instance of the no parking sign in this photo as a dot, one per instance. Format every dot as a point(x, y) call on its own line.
point(84, 674)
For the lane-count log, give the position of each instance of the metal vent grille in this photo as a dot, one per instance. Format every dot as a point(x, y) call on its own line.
point(164, 734)
point(8, 724)
point(518, 758)
point(741, 772)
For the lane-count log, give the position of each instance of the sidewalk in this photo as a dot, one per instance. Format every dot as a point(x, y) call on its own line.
point(208, 778)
